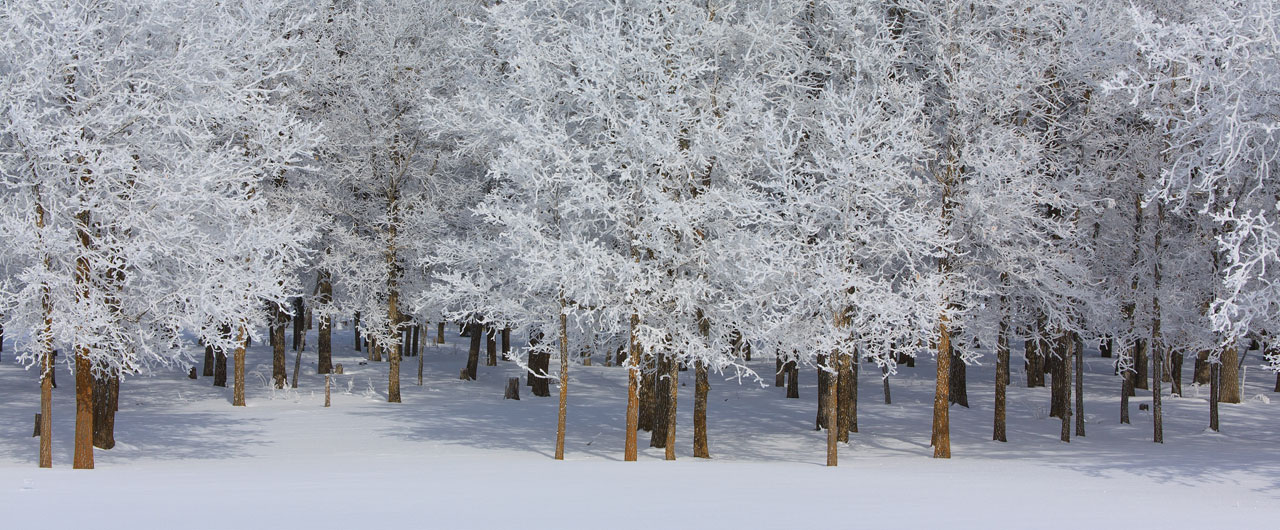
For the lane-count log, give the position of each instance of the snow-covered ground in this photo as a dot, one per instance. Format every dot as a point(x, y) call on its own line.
point(454, 454)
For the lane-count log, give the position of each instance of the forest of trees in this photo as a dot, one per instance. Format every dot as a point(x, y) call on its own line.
point(653, 183)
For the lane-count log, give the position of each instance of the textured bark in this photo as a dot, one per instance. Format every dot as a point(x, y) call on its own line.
point(1126, 389)
point(355, 329)
point(473, 353)
point(440, 333)
point(1202, 370)
point(542, 385)
point(829, 397)
point(1142, 364)
point(780, 375)
point(299, 324)
point(959, 391)
point(633, 394)
point(393, 352)
point(661, 401)
point(793, 379)
point(83, 456)
point(46, 395)
point(941, 439)
point(1106, 346)
point(324, 341)
point(648, 385)
point(999, 432)
point(884, 381)
point(278, 320)
point(1077, 353)
point(208, 361)
point(1215, 389)
point(491, 347)
point(237, 391)
point(564, 377)
point(1157, 416)
point(106, 393)
point(1175, 362)
point(1068, 350)
point(1229, 376)
point(673, 391)
point(824, 380)
point(702, 387)
point(1034, 363)
point(846, 397)
point(1058, 386)
point(506, 344)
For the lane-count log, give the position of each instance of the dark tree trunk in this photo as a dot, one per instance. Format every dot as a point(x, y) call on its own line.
point(630, 449)
point(1064, 367)
point(83, 453)
point(959, 392)
point(1215, 389)
point(701, 387)
point(106, 394)
point(506, 344)
point(661, 401)
point(299, 324)
point(1229, 376)
point(1202, 370)
point(278, 320)
point(1058, 385)
point(355, 328)
point(491, 347)
point(941, 437)
point(1034, 363)
point(780, 375)
point(1078, 355)
point(673, 391)
point(999, 433)
point(1106, 346)
point(1157, 413)
point(793, 379)
point(824, 379)
point(846, 397)
point(1142, 363)
point(1175, 362)
point(473, 353)
point(1126, 389)
point(563, 411)
point(324, 344)
point(541, 384)
point(884, 380)
point(440, 333)
point(648, 402)
point(208, 361)
point(831, 407)
point(220, 367)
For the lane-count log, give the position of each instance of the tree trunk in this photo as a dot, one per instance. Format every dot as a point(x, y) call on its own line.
point(999, 432)
point(506, 344)
point(780, 376)
point(1201, 376)
point(701, 387)
point(394, 352)
point(208, 361)
point(1229, 375)
point(105, 401)
point(83, 457)
point(829, 397)
point(237, 392)
point(673, 388)
point(1175, 368)
point(1126, 389)
point(219, 367)
point(440, 333)
point(278, 320)
point(1157, 418)
point(491, 347)
point(884, 381)
point(1034, 363)
point(1141, 364)
point(633, 394)
point(1078, 354)
point(1215, 389)
point(846, 397)
point(661, 401)
point(299, 324)
point(1068, 349)
point(324, 342)
point(1056, 358)
point(793, 379)
point(959, 391)
point(1106, 347)
point(824, 380)
point(564, 376)
point(355, 329)
point(46, 390)
point(941, 441)
point(473, 353)
point(648, 385)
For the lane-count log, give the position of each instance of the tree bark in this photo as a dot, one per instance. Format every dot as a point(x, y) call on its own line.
point(846, 397)
point(1034, 362)
point(1059, 401)
point(959, 391)
point(824, 380)
point(220, 367)
point(564, 376)
point(1068, 349)
point(491, 347)
point(473, 353)
point(780, 375)
point(1175, 368)
point(1215, 389)
point(83, 457)
point(355, 329)
point(1229, 375)
point(106, 394)
point(633, 394)
point(793, 379)
point(46, 388)
point(1201, 376)
point(208, 361)
point(941, 441)
point(440, 333)
point(278, 320)
point(661, 400)
point(702, 387)
point(237, 392)
point(324, 342)
point(1078, 355)
point(829, 397)
point(673, 388)
point(999, 432)
point(506, 344)
point(299, 324)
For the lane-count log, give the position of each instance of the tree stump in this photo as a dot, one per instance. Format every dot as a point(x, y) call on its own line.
point(463, 375)
point(337, 369)
point(327, 379)
point(513, 389)
point(192, 373)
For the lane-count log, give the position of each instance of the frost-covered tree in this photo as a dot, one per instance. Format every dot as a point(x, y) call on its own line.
point(135, 136)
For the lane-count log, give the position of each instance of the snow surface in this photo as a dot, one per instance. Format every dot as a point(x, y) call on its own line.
point(454, 454)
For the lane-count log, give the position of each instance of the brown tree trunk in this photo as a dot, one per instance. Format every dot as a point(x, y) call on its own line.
point(1141, 364)
point(999, 433)
point(473, 353)
point(1126, 390)
point(106, 394)
point(1215, 389)
point(1057, 360)
point(1175, 368)
point(824, 380)
point(661, 400)
point(46, 392)
point(941, 441)
point(237, 392)
point(673, 389)
point(1034, 363)
point(1077, 352)
point(564, 377)
point(83, 457)
point(219, 367)
point(648, 386)
point(440, 333)
point(1201, 376)
point(299, 324)
point(701, 388)
point(780, 375)
point(829, 398)
point(1229, 375)
point(506, 344)
point(393, 352)
point(491, 347)
point(793, 379)
point(633, 394)
point(1067, 348)
point(324, 342)
point(846, 397)
point(278, 320)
